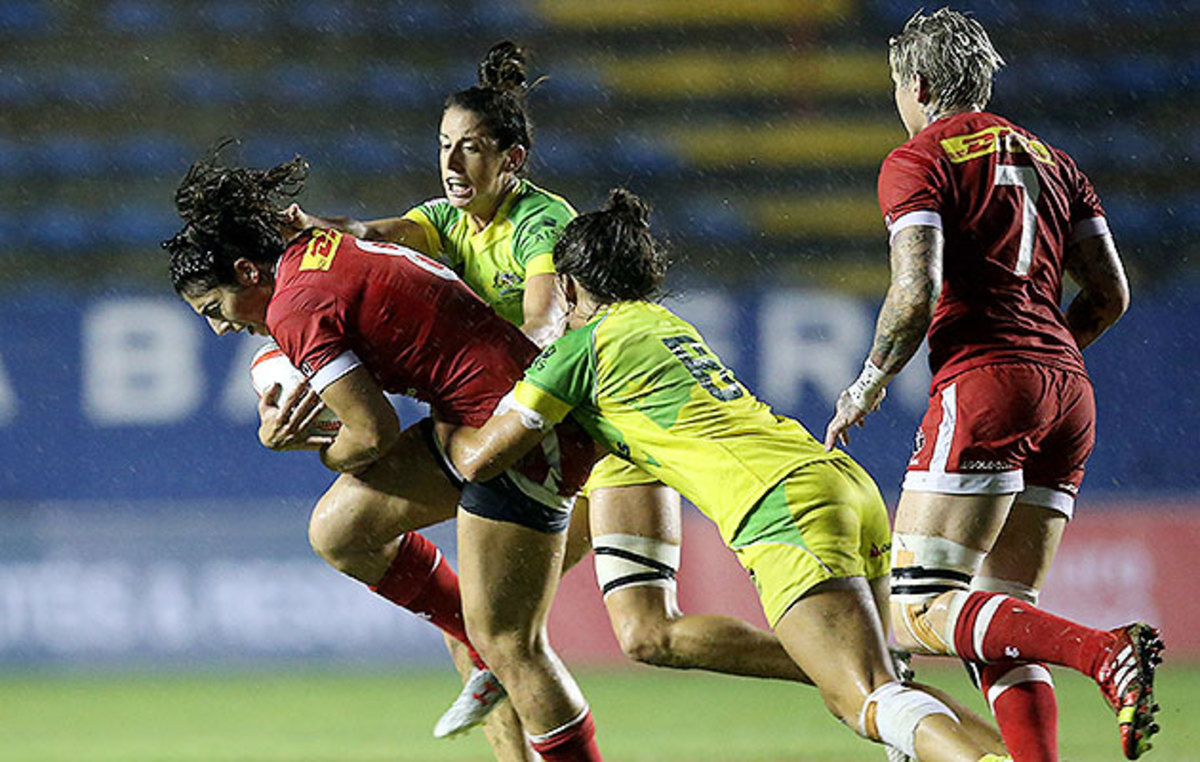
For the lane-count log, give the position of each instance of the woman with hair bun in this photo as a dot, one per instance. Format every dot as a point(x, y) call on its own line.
point(809, 525)
point(494, 227)
point(497, 230)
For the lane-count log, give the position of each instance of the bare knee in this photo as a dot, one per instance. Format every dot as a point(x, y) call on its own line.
point(647, 640)
point(339, 529)
point(845, 702)
point(502, 648)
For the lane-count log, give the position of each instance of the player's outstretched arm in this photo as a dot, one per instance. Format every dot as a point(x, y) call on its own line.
point(1093, 263)
point(390, 229)
point(916, 262)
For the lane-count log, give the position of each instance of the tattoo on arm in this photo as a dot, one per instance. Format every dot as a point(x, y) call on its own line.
point(916, 260)
point(1103, 295)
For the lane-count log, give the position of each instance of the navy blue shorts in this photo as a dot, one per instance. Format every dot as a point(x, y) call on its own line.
point(501, 500)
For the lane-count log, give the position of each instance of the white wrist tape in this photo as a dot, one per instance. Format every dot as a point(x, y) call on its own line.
point(867, 390)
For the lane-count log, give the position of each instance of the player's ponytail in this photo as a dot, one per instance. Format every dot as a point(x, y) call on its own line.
point(612, 252)
point(499, 97)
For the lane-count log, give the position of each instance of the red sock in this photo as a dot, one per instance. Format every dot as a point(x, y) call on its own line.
point(421, 581)
point(573, 742)
point(997, 628)
point(1022, 699)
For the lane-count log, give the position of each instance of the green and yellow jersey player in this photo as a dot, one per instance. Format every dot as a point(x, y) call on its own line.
point(497, 258)
point(643, 383)
point(808, 524)
point(493, 227)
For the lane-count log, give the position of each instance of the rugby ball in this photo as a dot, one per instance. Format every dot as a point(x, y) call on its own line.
point(271, 366)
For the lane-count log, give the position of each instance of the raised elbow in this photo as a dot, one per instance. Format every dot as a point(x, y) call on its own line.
point(1123, 299)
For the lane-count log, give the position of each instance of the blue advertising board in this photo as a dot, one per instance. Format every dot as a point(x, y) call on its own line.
point(130, 396)
point(144, 524)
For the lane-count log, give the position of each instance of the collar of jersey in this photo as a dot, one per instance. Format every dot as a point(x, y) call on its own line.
point(501, 211)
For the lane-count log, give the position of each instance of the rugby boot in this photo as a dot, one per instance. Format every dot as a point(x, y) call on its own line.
point(1126, 678)
point(480, 694)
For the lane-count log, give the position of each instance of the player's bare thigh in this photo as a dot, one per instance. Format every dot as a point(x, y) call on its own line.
point(358, 521)
point(647, 510)
point(508, 575)
point(1020, 541)
point(1026, 546)
point(971, 520)
point(579, 534)
point(652, 511)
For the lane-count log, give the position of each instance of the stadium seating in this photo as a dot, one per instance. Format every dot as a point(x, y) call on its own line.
point(750, 124)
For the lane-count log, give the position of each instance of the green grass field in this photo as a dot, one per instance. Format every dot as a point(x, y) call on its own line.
point(642, 714)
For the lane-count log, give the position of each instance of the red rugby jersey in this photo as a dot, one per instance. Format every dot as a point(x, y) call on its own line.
point(1007, 205)
point(340, 302)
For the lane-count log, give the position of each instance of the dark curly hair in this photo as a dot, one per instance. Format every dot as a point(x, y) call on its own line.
point(229, 213)
point(612, 252)
point(499, 97)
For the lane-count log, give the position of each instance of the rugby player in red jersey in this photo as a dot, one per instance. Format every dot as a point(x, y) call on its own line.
point(360, 319)
point(984, 220)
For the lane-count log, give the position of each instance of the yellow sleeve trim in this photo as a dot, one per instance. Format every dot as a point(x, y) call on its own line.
point(540, 265)
point(541, 401)
point(431, 233)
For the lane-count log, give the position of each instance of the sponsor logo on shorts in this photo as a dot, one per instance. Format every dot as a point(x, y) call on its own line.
point(986, 465)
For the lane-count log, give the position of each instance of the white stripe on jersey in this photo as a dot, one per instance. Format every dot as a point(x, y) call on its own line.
point(333, 370)
point(924, 217)
point(1089, 228)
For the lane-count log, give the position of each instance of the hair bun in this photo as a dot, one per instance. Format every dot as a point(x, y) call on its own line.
point(503, 68)
point(628, 204)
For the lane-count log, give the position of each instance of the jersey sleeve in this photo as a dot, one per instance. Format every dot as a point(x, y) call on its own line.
point(1087, 214)
point(433, 216)
point(310, 327)
point(561, 378)
point(910, 189)
point(534, 238)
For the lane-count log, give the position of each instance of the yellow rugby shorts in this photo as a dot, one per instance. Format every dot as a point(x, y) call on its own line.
point(611, 471)
point(823, 521)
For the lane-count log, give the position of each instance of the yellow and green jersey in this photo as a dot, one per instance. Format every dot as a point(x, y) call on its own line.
point(644, 384)
point(496, 260)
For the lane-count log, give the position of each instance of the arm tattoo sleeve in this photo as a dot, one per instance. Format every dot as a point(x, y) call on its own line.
point(916, 260)
point(1103, 295)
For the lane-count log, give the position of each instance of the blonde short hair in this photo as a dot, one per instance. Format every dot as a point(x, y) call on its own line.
point(952, 53)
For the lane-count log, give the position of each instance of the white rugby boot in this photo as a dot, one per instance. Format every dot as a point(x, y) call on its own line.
point(480, 695)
